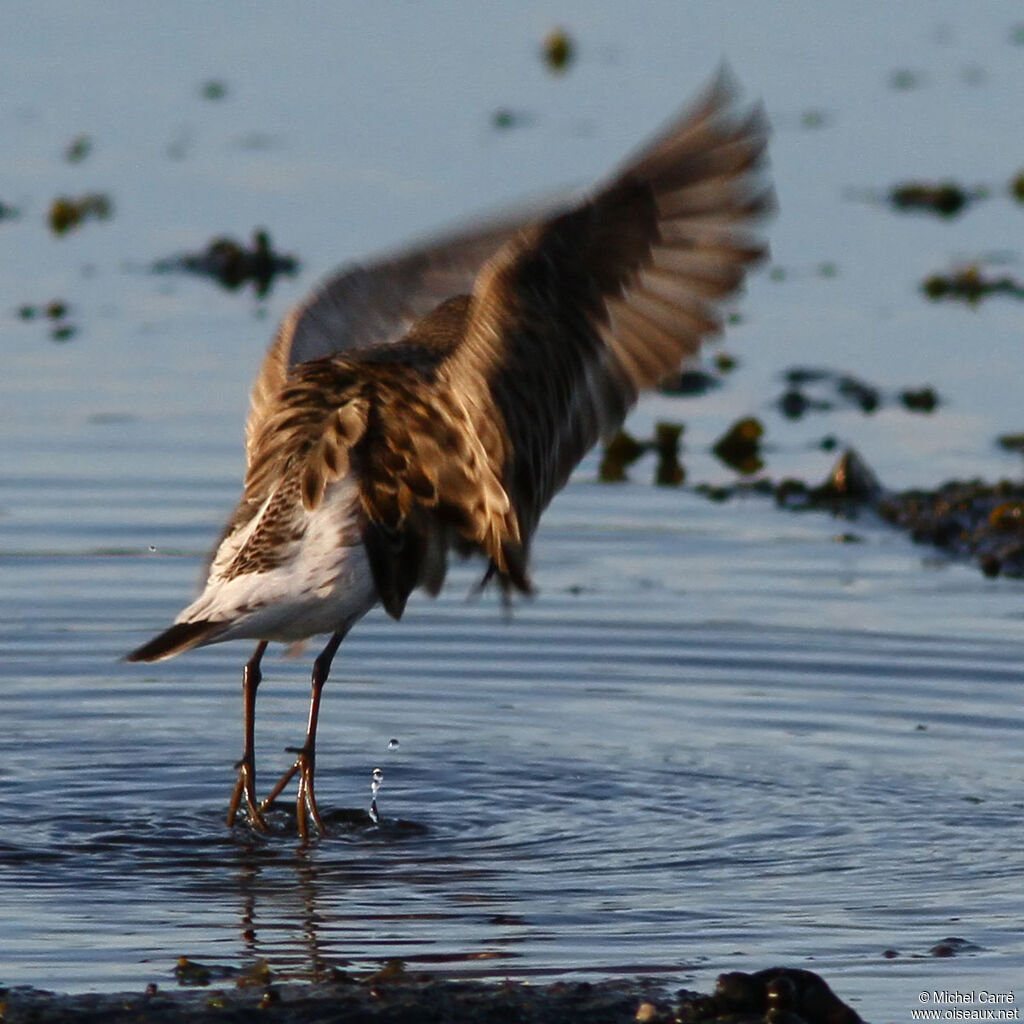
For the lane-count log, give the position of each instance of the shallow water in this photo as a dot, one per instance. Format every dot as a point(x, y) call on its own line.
point(719, 738)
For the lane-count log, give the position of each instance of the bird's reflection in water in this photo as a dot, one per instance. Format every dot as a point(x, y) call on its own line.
point(289, 894)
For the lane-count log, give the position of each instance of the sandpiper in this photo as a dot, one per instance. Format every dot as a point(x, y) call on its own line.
point(436, 400)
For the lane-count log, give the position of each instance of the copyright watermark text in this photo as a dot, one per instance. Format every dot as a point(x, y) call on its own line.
point(966, 1004)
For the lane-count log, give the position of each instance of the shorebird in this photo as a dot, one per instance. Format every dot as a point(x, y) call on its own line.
point(434, 401)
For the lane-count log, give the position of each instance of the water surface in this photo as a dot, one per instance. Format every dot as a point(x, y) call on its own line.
point(719, 738)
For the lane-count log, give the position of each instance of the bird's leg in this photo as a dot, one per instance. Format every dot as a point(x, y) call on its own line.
point(246, 784)
point(305, 761)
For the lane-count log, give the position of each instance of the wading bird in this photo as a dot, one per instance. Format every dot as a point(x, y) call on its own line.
point(435, 401)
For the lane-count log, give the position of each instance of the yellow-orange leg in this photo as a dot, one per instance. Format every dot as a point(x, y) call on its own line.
point(305, 761)
point(246, 784)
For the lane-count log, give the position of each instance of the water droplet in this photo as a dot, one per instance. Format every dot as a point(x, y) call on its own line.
point(375, 783)
point(392, 744)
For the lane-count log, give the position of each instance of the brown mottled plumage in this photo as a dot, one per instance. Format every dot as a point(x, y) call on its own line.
point(438, 400)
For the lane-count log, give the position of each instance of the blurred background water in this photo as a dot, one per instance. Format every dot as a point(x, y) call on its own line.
point(718, 739)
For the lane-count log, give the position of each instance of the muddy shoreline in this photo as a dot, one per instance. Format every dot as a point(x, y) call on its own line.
point(778, 995)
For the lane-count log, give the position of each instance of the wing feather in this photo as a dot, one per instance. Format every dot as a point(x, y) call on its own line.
point(571, 318)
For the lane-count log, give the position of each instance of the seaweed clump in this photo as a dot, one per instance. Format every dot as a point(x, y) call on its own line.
point(67, 212)
point(231, 264)
point(850, 486)
point(969, 284)
point(970, 518)
point(740, 446)
point(844, 390)
point(56, 311)
point(1011, 442)
point(1017, 187)
point(558, 51)
point(78, 149)
point(945, 198)
point(777, 994)
point(623, 450)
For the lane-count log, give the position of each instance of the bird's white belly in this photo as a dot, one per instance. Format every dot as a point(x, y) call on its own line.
point(306, 611)
point(324, 585)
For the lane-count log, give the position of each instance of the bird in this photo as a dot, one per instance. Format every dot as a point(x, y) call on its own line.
point(431, 403)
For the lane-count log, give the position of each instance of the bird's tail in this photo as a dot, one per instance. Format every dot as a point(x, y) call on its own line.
point(182, 636)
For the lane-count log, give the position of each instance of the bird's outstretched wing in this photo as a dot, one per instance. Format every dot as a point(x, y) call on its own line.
point(565, 324)
point(577, 313)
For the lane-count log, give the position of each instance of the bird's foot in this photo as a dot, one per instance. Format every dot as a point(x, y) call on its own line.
point(245, 786)
point(305, 796)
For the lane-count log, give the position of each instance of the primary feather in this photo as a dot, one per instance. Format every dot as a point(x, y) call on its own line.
point(438, 400)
